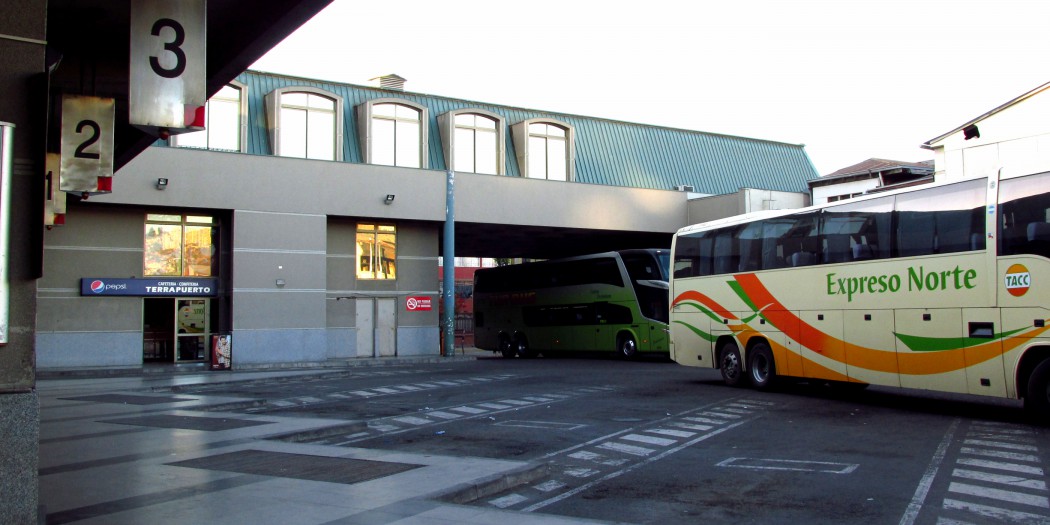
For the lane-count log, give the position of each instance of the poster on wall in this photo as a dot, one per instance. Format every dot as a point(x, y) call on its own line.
point(221, 352)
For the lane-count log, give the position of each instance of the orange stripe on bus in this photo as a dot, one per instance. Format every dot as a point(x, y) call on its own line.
point(704, 300)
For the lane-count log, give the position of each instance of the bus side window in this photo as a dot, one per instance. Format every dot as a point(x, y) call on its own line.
point(726, 258)
point(915, 233)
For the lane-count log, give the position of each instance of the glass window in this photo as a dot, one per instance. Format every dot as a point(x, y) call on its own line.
point(397, 135)
point(1024, 216)
point(307, 126)
point(477, 146)
point(176, 245)
point(548, 152)
point(222, 123)
point(376, 252)
point(946, 219)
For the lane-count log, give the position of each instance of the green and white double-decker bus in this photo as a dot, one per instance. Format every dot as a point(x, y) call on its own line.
point(943, 287)
point(615, 301)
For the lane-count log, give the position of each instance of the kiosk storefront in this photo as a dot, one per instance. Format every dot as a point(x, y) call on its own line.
point(176, 313)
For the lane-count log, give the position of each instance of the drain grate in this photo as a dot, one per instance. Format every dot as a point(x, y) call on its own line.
point(298, 466)
point(127, 399)
point(210, 424)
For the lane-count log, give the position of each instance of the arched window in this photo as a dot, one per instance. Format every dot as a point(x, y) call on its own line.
point(224, 122)
point(305, 123)
point(394, 133)
point(545, 149)
point(473, 141)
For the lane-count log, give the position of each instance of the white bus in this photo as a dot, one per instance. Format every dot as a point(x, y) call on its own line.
point(942, 287)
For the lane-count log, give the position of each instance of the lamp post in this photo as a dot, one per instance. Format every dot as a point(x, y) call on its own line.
point(449, 267)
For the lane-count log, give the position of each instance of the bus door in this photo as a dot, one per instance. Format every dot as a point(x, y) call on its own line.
point(870, 346)
point(928, 349)
point(983, 352)
point(823, 356)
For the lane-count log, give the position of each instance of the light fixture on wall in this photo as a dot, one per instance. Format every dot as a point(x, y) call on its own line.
point(971, 132)
point(162, 183)
point(389, 198)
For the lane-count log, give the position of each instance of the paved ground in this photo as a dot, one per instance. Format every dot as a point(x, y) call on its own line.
point(130, 449)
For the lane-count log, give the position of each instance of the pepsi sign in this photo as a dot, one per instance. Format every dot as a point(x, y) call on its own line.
point(150, 287)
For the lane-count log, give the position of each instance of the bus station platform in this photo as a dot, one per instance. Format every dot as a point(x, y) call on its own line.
point(129, 448)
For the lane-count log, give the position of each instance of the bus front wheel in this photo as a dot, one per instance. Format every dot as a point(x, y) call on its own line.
point(506, 348)
point(1037, 398)
point(522, 347)
point(730, 365)
point(762, 369)
point(627, 347)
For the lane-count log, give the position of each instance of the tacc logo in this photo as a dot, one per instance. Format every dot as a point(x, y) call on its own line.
point(97, 286)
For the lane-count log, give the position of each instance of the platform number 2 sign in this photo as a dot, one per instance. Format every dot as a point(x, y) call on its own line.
point(87, 143)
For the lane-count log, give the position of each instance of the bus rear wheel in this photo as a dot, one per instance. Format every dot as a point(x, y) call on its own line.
point(762, 369)
point(627, 347)
point(730, 364)
point(522, 346)
point(1037, 398)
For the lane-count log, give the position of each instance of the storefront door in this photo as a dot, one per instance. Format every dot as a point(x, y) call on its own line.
point(175, 330)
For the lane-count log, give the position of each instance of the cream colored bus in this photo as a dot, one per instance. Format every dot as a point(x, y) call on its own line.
point(942, 287)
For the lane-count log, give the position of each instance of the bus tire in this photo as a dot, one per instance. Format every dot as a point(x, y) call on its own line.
point(1037, 398)
point(626, 346)
point(522, 346)
point(762, 368)
point(506, 348)
point(730, 364)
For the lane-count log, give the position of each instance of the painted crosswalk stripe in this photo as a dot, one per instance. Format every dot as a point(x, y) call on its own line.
point(382, 427)
point(517, 402)
point(692, 426)
point(999, 494)
point(386, 390)
point(704, 420)
point(626, 449)
point(995, 513)
point(311, 400)
point(1001, 479)
point(412, 420)
point(581, 472)
point(443, 415)
point(585, 455)
point(469, 410)
point(713, 413)
point(1000, 444)
point(536, 399)
point(364, 393)
point(1000, 454)
point(671, 432)
point(508, 500)
point(998, 465)
point(548, 486)
point(650, 440)
point(493, 406)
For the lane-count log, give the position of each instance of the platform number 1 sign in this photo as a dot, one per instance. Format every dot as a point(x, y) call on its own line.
point(167, 66)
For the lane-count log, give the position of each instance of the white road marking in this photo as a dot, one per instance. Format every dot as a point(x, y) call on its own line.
point(650, 440)
point(917, 500)
point(997, 465)
point(670, 432)
point(1000, 444)
point(999, 494)
point(995, 513)
point(1001, 479)
point(1000, 454)
point(508, 500)
point(626, 449)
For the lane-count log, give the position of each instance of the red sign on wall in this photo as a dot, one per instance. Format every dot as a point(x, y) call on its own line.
point(417, 304)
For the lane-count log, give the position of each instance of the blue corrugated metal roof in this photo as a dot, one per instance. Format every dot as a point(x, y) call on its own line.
point(608, 152)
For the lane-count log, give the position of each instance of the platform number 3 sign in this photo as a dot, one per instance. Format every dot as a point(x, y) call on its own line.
point(167, 65)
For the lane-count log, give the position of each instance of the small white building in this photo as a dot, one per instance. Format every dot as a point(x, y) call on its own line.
point(1015, 135)
point(869, 176)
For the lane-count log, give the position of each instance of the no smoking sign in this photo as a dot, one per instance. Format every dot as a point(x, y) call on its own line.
point(417, 304)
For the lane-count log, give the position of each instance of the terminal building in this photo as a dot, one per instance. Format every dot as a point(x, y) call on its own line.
point(306, 221)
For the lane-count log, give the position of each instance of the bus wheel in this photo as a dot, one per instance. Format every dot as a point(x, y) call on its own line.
point(1037, 399)
point(627, 347)
point(522, 347)
point(506, 348)
point(730, 365)
point(763, 369)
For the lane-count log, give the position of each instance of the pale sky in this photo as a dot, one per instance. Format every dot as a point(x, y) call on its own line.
point(850, 79)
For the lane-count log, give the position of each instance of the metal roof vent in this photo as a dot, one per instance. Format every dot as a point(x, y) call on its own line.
point(391, 81)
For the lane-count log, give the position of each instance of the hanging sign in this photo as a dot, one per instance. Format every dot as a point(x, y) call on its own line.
point(87, 144)
point(167, 66)
point(54, 199)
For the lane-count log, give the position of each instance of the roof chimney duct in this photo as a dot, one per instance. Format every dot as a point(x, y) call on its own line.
point(391, 81)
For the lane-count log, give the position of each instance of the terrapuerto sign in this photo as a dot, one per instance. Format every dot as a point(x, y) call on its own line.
point(150, 286)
